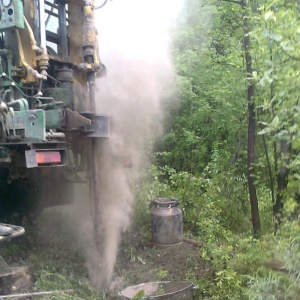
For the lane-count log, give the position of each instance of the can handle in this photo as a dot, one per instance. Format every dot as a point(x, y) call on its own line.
point(170, 205)
point(163, 203)
point(151, 204)
point(195, 292)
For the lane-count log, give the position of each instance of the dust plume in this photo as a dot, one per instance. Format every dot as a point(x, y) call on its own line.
point(134, 44)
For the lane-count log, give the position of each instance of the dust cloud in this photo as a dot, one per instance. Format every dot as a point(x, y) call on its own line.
point(134, 45)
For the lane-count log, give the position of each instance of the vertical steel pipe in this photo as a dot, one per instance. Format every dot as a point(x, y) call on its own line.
point(62, 25)
point(42, 24)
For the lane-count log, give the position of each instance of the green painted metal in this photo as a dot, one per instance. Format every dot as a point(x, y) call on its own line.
point(54, 118)
point(31, 123)
point(19, 105)
point(12, 16)
point(62, 93)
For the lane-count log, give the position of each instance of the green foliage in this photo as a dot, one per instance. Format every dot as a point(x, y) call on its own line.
point(162, 274)
point(283, 283)
point(213, 201)
point(233, 261)
point(49, 279)
point(211, 85)
point(215, 214)
point(139, 295)
point(276, 59)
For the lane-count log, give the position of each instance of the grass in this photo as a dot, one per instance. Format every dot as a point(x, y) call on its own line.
point(56, 263)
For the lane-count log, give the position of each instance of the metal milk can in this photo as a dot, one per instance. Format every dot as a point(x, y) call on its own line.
point(166, 222)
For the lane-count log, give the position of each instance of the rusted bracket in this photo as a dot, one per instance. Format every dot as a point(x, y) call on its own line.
point(100, 126)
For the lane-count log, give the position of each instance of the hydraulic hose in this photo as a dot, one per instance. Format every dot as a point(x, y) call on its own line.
point(35, 73)
point(35, 47)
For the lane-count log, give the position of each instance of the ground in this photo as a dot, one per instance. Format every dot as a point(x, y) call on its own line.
point(59, 265)
point(139, 261)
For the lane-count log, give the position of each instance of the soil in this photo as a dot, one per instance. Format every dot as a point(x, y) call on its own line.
point(140, 261)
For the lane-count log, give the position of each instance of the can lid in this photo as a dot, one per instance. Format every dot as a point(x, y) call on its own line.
point(166, 202)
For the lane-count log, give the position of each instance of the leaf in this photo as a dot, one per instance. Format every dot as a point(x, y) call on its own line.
point(287, 47)
point(263, 123)
point(276, 37)
point(264, 131)
point(293, 128)
point(275, 122)
point(139, 295)
point(268, 14)
point(265, 32)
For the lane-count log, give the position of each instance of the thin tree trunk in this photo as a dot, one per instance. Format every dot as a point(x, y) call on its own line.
point(282, 181)
point(274, 143)
point(251, 125)
point(268, 164)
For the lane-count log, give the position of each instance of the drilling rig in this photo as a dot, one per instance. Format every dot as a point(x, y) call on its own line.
point(49, 127)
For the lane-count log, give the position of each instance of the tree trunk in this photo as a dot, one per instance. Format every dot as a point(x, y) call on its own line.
point(282, 181)
point(251, 124)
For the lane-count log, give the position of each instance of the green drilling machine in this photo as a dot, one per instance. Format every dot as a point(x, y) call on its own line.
point(49, 128)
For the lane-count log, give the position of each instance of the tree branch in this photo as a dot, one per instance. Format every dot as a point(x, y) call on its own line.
point(25, 295)
point(232, 1)
point(290, 56)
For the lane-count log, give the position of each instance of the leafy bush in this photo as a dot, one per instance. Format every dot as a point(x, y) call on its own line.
point(214, 214)
point(283, 282)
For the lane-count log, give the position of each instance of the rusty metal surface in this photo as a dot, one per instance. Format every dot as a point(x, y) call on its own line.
point(168, 290)
point(16, 231)
point(166, 222)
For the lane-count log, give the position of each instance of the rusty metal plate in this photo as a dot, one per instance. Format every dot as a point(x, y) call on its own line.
point(168, 290)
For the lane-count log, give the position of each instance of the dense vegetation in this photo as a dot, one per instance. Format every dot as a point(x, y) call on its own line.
point(230, 151)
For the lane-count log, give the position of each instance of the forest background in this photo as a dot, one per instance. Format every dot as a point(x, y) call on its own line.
point(230, 150)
